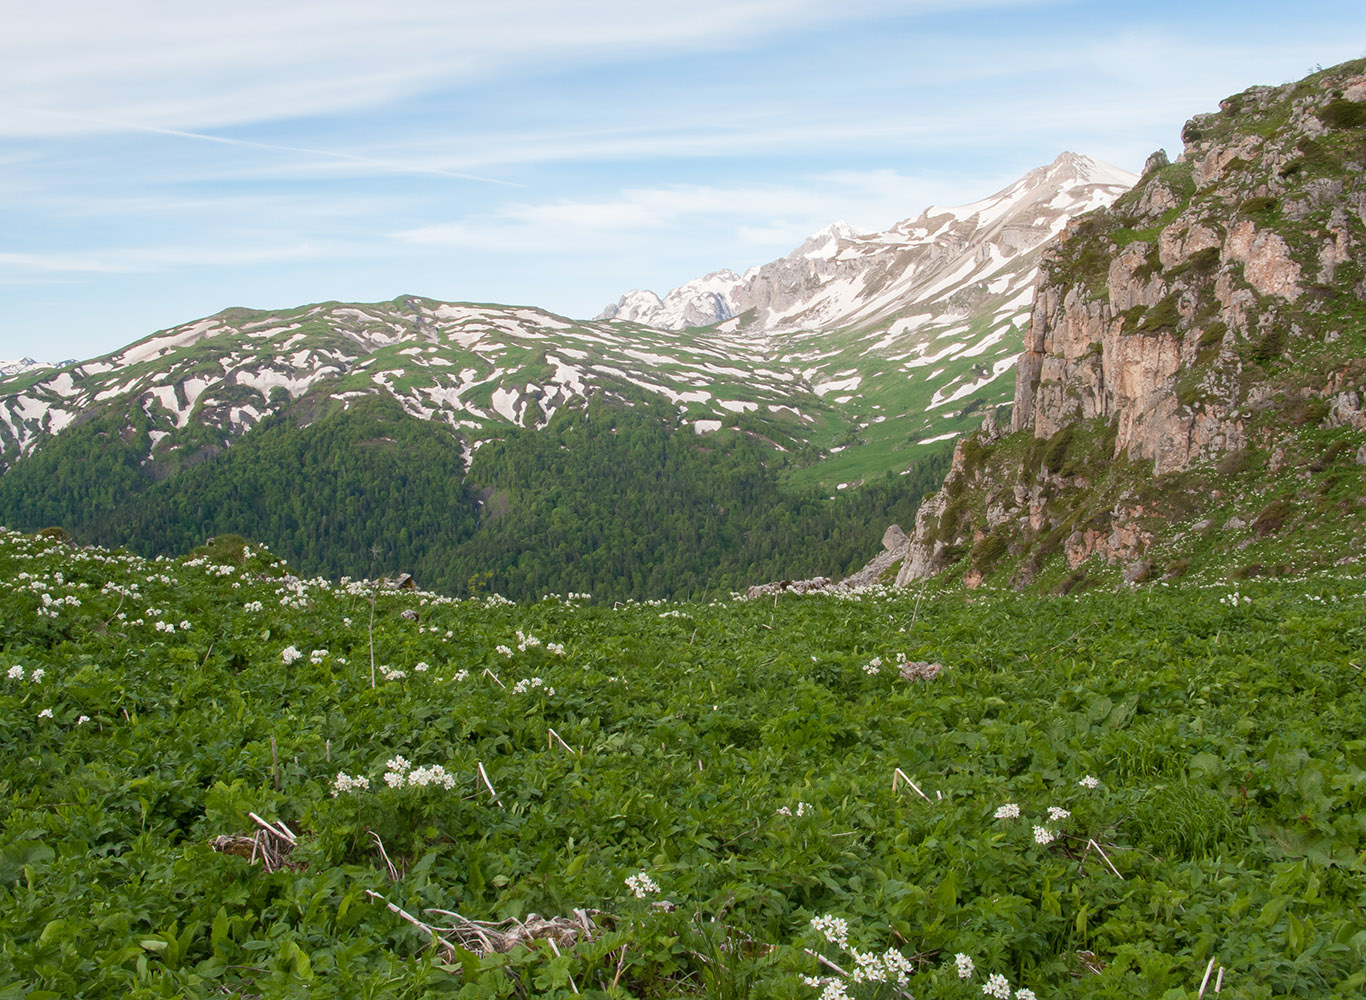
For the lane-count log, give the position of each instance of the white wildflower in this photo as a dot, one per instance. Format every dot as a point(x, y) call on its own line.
point(45, 713)
point(641, 884)
point(1024, 994)
point(833, 929)
point(1043, 835)
point(965, 965)
point(16, 673)
point(502, 649)
point(1056, 815)
point(1008, 811)
point(421, 668)
point(37, 676)
point(1089, 782)
point(997, 986)
point(289, 654)
point(345, 783)
point(82, 720)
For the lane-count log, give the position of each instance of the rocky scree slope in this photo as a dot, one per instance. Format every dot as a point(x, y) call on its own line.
point(1191, 387)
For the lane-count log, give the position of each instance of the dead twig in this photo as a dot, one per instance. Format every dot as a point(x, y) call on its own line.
point(900, 775)
point(393, 872)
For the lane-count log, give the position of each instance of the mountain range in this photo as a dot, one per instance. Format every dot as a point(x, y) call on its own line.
point(1179, 360)
point(890, 339)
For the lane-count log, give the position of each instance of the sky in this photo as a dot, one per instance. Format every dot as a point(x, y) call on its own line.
point(161, 160)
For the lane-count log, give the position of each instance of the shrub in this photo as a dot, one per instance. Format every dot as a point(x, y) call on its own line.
point(1055, 454)
point(1273, 517)
point(1343, 113)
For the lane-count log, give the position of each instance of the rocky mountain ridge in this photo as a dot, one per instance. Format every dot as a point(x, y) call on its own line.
point(936, 331)
point(840, 278)
point(1193, 373)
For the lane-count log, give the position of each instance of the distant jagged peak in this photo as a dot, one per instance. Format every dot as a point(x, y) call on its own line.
point(21, 366)
point(824, 243)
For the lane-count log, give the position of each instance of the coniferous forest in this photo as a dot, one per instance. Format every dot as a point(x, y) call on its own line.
point(610, 500)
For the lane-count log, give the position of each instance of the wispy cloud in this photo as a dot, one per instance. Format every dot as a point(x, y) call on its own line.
point(756, 214)
point(195, 66)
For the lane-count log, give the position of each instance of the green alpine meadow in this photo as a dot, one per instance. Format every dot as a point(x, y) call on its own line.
point(422, 649)
point(221, 779)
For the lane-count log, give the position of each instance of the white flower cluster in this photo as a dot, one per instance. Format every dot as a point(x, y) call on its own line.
point(642, 885)
point(45, 713)
point(421, 668)
point(82, 720)
point(390, 674)
point(869, 967)
point(530, 683)
point(889, 967)
point(1233, 599)
point(833, 929)
point(525, 642)
point(1089, 782)
point(1008, 811)
point(554, 648)
point(290, 653)
point(402, 774)
point(964, 964)
point(163, 626)
point(1043, 835)
point(831, 987)
point(1056, 815)
point(502, 649)
point(461, 675)
point(16, 673)
point(997, 986)
point(873, 667)
point(253, 606)
point(317, 655)
point(343, 782)
point(802, 807)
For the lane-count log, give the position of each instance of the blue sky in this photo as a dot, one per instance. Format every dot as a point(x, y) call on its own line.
point(161, 159)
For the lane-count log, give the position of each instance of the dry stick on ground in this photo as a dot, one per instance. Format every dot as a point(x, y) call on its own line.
point(549, 733)
point(279, 831)
point(897, 773)
point(495, 678)
point(447, 950)
point(393, 872)
point(1092, 845)
point(372, 638)
point(488, 784)
point(556, 949)
point(1205, 982)
point(1219, 982)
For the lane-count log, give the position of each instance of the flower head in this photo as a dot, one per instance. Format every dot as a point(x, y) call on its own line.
point(641, 884)
point(1056, 815)
point(1043, 835)
point(964, 964)
point(997, 986)
point(1008, 811)
point(1089, 782)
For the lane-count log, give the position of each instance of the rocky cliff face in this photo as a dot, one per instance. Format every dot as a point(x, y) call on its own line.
point(1214, 310)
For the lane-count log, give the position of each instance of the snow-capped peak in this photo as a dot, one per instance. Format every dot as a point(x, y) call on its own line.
point(824, 243)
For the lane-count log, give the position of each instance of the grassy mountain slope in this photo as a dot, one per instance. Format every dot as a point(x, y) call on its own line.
point(750, 758)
